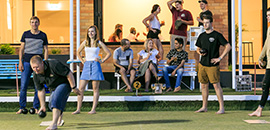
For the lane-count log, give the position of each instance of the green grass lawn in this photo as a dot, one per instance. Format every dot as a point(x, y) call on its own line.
point(114, 92)
point(143, 120)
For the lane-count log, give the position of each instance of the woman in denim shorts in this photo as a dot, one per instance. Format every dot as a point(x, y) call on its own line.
point(91, 66)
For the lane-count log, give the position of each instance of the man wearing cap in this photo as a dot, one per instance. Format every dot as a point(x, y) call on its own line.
point(205, 11)
point(180, 19)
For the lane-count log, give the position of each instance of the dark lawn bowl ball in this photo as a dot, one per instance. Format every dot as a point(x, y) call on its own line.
point(32, 110)
point(42, 114)
point(203, 51)
point(24, 111)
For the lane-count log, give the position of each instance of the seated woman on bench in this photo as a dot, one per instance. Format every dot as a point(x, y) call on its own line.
point(147, 59)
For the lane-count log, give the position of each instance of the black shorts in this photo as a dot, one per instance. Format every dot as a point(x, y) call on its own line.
point(117, 69)
point(153, 35)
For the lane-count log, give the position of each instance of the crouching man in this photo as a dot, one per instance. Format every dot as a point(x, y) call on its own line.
point(59, 80)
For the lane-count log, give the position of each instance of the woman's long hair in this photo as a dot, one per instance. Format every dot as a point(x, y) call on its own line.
point(96, 38)
point(117, 33)
point(146, 44)
point(154, 8)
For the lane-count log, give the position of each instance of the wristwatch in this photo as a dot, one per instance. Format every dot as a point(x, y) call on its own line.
point(74, 87)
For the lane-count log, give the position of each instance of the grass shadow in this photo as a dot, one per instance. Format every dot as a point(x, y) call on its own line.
point(125, 123)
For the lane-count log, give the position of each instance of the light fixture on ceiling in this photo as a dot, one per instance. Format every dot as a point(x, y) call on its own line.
point(54, 6)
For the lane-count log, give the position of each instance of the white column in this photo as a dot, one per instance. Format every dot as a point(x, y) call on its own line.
point(233, 44)
point(240, 35)
point(78, 36)
point(71, 33)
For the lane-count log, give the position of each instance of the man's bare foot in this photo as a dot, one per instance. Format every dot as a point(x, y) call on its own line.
point(128, 90)
point(75, 112)
point(256, 113)
point(92, 112)
point(169, 89)
point(201, 110)
point(220, 112)
point(52, 127)
point(19, 112)
point(61, 123)
point(177, 89)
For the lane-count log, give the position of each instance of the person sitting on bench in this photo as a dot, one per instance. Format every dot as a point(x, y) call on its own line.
point(147, 58)
point(123, 61)
point(176, 59)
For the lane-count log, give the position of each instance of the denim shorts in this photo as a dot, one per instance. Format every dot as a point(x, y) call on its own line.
point(92, 71)
point(59, 97)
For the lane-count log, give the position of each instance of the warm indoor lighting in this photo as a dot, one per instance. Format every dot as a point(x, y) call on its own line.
point(9, 24)
point(54, 6)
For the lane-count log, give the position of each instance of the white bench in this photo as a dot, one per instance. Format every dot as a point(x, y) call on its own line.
point(189, 70)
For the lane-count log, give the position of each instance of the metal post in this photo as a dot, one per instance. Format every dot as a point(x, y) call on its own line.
point(255, 78)
point(71, 33)
point(240, 36)
point(78, 37)
point(233, 45)
point(17, 81)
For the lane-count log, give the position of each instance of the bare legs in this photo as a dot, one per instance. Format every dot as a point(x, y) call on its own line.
point(95, 85)
point(205, 93)
point(125, 79)
point(56, 116)
point(148, 76)
point(83, 83)
point(219, 93)
point(159, 47)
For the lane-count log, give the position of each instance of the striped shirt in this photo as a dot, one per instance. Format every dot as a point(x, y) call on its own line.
point(33, 44)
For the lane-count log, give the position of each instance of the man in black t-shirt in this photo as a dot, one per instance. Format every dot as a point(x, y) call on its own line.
point(59, 80)
point(205, 11)
point(209, 71)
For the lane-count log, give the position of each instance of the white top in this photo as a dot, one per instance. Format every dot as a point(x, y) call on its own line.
point(152, 57)
point(91, 53)
point(131, 37)
point(155, 24)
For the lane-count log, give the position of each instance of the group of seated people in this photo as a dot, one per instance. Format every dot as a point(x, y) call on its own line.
point(148, 59)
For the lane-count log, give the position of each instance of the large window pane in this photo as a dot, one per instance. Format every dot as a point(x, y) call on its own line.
point(252, 23)
point(130, 13)
point(15, 15)
point(54, 16)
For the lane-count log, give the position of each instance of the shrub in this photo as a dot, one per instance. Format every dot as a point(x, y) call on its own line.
point(7, 49)
point(56, 51)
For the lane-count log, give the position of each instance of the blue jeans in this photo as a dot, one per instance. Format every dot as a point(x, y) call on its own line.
point(168, 69)
point(25, 78)
point(59, 97)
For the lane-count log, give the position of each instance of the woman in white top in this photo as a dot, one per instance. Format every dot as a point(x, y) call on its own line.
point(147, 59)
point(91, 69)
point(154, 28)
